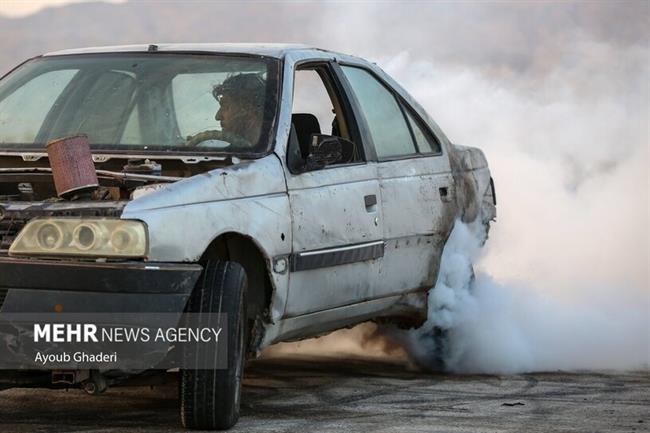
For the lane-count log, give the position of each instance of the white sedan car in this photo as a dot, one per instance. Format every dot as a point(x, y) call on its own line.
point(294, 189)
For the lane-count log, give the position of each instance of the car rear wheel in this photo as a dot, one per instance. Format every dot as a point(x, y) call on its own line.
point(210, 398)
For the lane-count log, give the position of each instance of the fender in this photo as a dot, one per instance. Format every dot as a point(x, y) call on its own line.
point(474, 186)
point(249, 198)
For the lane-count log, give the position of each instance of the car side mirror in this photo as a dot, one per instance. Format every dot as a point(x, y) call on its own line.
point(326, 150)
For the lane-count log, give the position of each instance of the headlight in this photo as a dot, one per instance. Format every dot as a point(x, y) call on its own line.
point(95, 237)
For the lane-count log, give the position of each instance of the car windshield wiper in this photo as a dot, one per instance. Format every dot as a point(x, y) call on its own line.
point(105, 173)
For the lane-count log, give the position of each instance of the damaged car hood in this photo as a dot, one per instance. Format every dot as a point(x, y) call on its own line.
point(246, 179)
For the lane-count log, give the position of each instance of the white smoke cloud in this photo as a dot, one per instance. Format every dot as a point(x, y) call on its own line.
point(499, 328)
point(563, 282)
point(560, 224)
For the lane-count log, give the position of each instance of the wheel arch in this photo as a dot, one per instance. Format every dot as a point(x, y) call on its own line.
point(243, 249)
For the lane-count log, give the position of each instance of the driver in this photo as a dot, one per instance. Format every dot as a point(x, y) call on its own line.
point(241, 110)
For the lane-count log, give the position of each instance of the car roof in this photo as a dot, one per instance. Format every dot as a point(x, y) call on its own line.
point(263, 49)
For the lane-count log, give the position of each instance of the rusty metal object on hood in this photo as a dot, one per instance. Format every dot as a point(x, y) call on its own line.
point(72, 165)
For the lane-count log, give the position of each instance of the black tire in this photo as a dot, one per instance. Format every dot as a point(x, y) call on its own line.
point(441, 350)
point(437, 347)
point(210, 399)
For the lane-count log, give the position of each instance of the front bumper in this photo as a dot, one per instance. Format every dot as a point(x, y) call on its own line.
point(132, 293)
point(46, 286)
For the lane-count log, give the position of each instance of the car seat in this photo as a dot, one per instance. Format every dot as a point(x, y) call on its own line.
point(305, 124)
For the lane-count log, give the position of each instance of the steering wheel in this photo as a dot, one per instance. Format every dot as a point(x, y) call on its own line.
point(232, 140)
point(196, 139)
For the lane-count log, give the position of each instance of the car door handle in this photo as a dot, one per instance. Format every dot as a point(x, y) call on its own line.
point(370, 201)
point(445, 194)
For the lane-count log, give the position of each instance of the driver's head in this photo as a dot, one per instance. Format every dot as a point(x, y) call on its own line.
point(241, 102)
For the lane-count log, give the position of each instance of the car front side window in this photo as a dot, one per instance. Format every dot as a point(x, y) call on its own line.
point(320, 131)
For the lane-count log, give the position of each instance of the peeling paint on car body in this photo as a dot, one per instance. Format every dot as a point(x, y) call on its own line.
point(250, 201)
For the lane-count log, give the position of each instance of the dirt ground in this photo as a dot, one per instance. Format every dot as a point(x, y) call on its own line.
point(324, 395)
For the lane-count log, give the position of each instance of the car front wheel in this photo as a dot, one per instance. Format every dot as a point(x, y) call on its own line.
point(210, 398)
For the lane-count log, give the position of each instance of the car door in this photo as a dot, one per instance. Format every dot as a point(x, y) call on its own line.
point(336, 226)
point(415, 183)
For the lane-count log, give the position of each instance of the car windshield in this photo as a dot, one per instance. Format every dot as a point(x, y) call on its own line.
point(159, 102)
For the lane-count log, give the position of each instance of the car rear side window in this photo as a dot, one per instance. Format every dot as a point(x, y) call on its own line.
point(426, 143)
point(388, 129)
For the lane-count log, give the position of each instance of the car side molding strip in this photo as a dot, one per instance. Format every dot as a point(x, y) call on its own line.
point(336, 256)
